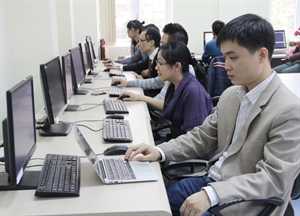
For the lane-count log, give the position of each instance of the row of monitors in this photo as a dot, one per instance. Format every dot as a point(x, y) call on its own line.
point(19, 127)
point(280, 41)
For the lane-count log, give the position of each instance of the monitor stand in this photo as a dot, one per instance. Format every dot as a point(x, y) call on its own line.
point(95, 73)
point(81, 92)
point(28, 181)
point(55, 130)
point(72, 108)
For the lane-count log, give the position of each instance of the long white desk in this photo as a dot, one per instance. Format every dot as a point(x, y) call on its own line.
point(96, 198)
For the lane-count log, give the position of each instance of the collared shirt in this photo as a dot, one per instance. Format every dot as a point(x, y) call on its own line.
point(151, 57)
point(248, 100)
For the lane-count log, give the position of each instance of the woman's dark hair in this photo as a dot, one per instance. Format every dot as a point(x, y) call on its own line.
point(135, 24)
point(249, 31)
point(177, 51)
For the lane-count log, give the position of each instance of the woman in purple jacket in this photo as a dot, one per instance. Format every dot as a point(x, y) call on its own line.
point(186, 102)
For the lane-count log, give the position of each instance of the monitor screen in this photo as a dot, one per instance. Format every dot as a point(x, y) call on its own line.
point(67, 75)
point(85, 57)
point(92, 56)
point(19, 133)
point(280, 39)
point(53, 89)
point(207, 36)
point(77, 68)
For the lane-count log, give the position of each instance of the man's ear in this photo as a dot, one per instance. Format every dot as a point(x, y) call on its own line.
point(264, 53)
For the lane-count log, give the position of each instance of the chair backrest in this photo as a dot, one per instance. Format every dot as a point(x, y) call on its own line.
point(218, 80)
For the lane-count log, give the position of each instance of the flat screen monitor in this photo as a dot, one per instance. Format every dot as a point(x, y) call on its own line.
point(280, 42)
point(207, 36)
point(85, 58)
point(54, 98)
point(19, 137)
point(78, 75)
point(67, 80)
point(93, 59)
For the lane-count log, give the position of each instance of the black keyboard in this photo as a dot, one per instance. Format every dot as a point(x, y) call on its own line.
point(115, 72)
point(116, 130)
point(60, 176)
point(115, 106)
point(115, 91)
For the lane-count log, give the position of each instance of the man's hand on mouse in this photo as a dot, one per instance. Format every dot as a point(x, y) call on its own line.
point(142, 152)
point(111, 66)
point(122, 82)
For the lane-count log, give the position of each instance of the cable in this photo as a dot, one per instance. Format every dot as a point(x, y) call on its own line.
point(89, 128)
point(64, 122)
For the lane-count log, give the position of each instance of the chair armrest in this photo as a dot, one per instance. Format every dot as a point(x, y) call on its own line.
point(273, 203)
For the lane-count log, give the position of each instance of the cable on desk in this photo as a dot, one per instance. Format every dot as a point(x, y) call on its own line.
point(90, 107)
point(64, 122)
point(94, 130)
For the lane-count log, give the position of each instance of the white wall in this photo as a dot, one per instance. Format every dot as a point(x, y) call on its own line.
point(33, 32)
point(197, 16)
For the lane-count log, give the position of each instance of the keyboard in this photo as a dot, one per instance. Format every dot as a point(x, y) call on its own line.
point(116, 130)
point(118, 169)
point(115, 107)
point(60, 176)
point(280, 51)
point(115, 91)
point(115, 72)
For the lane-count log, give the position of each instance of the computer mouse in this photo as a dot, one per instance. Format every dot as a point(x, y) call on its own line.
point(116, 150)
point(116, 83)
point(115, 116)
point(106, 70)
point(122, 97)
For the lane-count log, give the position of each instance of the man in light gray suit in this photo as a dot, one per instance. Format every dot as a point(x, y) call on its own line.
point(255, 127)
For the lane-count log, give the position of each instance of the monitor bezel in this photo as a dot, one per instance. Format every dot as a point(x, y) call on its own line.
point(45, 89)
point(76, 83)
point(67, 55)
point(283, 33)
point(9, 141)
point(85, 58)
point(204, 36)
point(91, 56)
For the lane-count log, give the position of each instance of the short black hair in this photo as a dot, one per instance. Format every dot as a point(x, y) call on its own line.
point(153, 34)
point(176, 33)
point(217, 26)
point(250, 31)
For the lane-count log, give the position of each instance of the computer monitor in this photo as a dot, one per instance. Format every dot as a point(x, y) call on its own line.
point(54, 98)
point(93, 58)
point(19, 137)
point(85, 59)
point(67, 80)
point(77, 71)
point(280, 42)
point(207, 36)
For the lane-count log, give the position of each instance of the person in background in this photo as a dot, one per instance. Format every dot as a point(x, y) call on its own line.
point(255, 127)
point(211, 50)
point(291, 62)
point(149, 43)
point(134, 29)
point(171, 32)
point(186, 103)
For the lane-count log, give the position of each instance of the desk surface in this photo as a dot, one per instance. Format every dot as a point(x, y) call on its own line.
point(96, 198)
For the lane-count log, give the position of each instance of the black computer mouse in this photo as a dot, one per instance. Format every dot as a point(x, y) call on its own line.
point(122, 97)
point(106, 70)
point(116, 150)
point(115, 116)
point(116, 83)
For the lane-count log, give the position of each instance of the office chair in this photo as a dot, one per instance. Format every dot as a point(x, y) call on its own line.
point(272, 203)
point(218, 80)
point(159, 125)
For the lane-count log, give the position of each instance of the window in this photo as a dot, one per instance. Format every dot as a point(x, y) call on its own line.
point(285, 15)
point(158, 12)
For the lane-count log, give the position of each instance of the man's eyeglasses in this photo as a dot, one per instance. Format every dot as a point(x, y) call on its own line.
point(160, 64)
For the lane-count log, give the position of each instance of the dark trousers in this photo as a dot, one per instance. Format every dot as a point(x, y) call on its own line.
point(179, 191)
